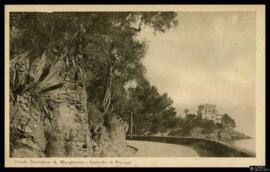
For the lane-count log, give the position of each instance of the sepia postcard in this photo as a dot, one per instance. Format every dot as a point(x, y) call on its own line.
point(134, 85)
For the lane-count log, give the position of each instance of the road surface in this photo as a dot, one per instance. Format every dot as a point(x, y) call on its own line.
point(157, 149)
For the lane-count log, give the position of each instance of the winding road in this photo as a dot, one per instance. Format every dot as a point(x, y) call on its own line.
point(156, 149)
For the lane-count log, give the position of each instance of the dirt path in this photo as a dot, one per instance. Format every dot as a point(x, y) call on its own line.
point(155, 149)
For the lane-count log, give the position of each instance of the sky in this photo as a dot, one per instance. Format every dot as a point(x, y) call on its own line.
point(208, 58)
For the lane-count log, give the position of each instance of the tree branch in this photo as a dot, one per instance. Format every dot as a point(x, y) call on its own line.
point(139, 27)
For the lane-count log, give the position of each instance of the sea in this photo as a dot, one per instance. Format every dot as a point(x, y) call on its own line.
point(247, 144)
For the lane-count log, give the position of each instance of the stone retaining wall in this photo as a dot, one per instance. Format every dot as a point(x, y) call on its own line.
point(204, 147)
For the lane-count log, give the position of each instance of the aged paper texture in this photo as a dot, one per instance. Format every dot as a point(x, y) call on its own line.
point(134, 85)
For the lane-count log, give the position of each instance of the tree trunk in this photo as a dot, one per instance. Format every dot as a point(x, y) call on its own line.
point(107, 97)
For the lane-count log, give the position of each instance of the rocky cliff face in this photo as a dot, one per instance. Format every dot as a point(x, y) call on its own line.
point(49, 114)
point(108, 133)
point(217, 134)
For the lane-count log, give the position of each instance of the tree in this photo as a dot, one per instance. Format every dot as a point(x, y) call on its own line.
point(123, 52)
point(95, 51)
point(186, 111)
point(104, 44)
point(227, 121)
point(153, 112)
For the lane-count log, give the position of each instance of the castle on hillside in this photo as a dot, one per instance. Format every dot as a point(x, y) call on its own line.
point(208, 111)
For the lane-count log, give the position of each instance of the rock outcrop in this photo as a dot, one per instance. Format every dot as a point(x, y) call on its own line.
point(107, 132)
point(49, 114)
